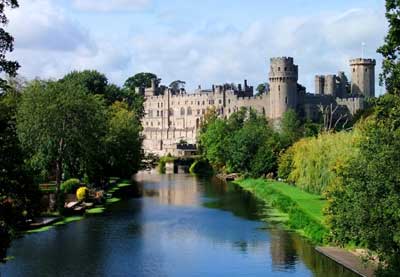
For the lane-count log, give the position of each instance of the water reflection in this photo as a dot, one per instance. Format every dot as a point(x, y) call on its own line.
point(182, 226)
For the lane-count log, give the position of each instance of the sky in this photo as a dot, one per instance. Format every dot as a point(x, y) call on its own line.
point(202, 42)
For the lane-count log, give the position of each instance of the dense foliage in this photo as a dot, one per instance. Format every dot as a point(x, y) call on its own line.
point(244, 143)
point(391, 49)
point(365, 198)
point(70, 185)
point(6, 44)
point(123, 141)
point(311, 162)
point(60, 124)
point(18, 196)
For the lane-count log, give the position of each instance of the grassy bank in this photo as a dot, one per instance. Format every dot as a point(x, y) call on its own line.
point(304, 210)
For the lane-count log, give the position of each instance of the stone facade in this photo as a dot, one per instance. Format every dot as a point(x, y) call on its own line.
point(175, 116)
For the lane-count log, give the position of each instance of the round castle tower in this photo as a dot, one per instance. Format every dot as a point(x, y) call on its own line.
point(283, 78)
point(363, 77)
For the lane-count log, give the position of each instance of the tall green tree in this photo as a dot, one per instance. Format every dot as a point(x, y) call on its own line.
point(60, 124)
point(6, 43)
point(262, 88)
point(140, 80)
point(290, 128)
point(391, 49)
point(365, 198)
point(123, 141)
point(18, 196)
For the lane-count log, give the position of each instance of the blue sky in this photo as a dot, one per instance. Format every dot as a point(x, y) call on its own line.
point(199, 41)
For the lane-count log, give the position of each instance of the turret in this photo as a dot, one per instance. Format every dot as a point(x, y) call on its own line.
point(283, 78)
point(363, 77)
point(319, 84)
point(330, 85)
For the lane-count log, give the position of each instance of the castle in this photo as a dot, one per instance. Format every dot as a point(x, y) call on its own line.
point(172, 116)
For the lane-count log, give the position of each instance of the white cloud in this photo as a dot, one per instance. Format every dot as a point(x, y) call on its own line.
point(320, 45)
point(38, 24)
point(111, 5)
point(49, 44)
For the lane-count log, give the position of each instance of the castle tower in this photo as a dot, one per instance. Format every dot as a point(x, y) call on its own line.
point(283, 78)
point(319, 84)
point(363, 77)
point(342, 90)
point(330, 85)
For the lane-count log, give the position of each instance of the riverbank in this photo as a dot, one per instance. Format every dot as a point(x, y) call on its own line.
point(112, 191)
point(304, 211)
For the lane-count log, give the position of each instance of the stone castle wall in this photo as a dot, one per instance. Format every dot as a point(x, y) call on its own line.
point(171, 117)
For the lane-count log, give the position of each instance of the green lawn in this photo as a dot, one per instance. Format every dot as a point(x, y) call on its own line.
point(311, 204)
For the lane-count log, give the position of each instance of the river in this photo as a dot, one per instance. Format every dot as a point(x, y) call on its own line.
point(177, 225)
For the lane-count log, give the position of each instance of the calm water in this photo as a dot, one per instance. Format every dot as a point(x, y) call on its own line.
point(180, 226)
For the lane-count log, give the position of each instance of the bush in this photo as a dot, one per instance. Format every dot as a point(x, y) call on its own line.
point(70, 186)
point(163, 161)
point(82, 193)
point(201, 167)
point(285, 163)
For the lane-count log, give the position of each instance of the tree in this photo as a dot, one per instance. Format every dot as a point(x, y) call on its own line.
point(6, 43)
point(291, 128)
point(213, 142)
point(365, 199)
point(140, 80)
point(60, 125)
point(391, 49)
point(177, 85)
point(123, 141)
point(19, 198)
point(262, 88)
point(93, 81)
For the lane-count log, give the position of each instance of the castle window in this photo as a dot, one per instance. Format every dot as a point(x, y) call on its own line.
point(161, 113)
point(286, 100)
point(182, 111)
point(203, 103)
point(171, 112)
point(366, 70)
point(189, 111)
point(158, 113)
point(220, 101)
point(285, 68)
point(229, 101)
point(279, 69)
point(203, 111)
point(279, 88)
point(198, 112)
point(198, 103)
point(354, 70)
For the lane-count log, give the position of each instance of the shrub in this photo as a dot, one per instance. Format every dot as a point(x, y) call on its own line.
point(163, 161)
point(201, 167)
point(82, 193)
point(285, 163)
point(70, 186)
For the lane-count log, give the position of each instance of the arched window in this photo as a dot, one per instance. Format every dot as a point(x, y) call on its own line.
point(182, 111)
point(189, 111)
point(197, 123)
point(171, 112)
